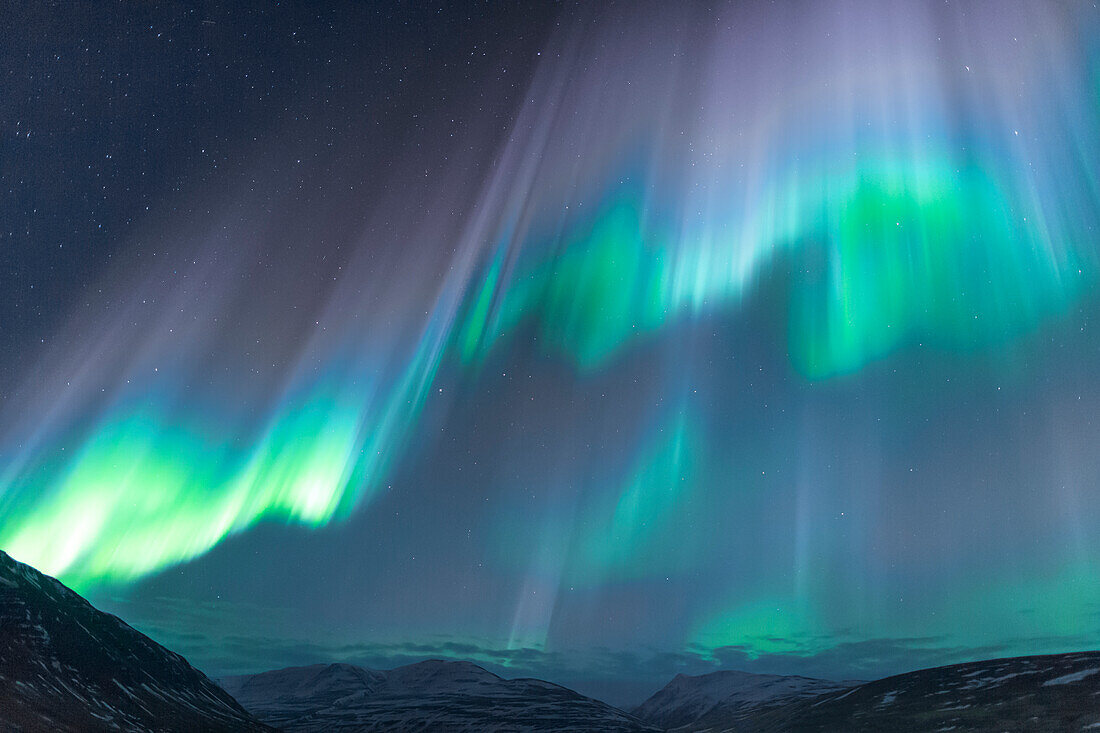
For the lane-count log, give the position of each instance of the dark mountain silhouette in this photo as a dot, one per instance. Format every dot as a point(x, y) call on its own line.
point(64, 666)
point(1059, 692)
point(687, 698)
point(432, 695)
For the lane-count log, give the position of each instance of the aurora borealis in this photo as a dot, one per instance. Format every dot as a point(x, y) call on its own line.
point(742, 334)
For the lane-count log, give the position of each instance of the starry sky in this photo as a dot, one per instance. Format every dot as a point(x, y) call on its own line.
point(592, 342)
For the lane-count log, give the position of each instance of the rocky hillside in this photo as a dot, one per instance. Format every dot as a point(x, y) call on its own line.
point(64, 666)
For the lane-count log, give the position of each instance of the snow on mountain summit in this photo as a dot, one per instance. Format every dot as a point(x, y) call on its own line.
point(687, 698)
point(436, 694)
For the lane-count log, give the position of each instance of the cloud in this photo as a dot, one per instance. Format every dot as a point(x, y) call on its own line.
point(245, 639)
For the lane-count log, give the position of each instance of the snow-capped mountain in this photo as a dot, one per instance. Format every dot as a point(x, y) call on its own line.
point(687, 698)
point(289, 694)
point(64, 666)
point(1059, 692)
point(433, 695)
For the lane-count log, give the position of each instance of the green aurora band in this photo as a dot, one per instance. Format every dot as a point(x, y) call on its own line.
point(910, 253)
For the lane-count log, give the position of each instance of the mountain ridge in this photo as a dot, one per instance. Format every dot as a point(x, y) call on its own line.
point(443, 694)
point(686, 698)
point(66, 666)
point(1051, 692)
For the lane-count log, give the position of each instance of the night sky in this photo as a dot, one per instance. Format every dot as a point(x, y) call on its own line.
point(592, 342)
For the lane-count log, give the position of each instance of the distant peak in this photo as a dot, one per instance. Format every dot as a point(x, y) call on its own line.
point(434, 672)
point(443, 664)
